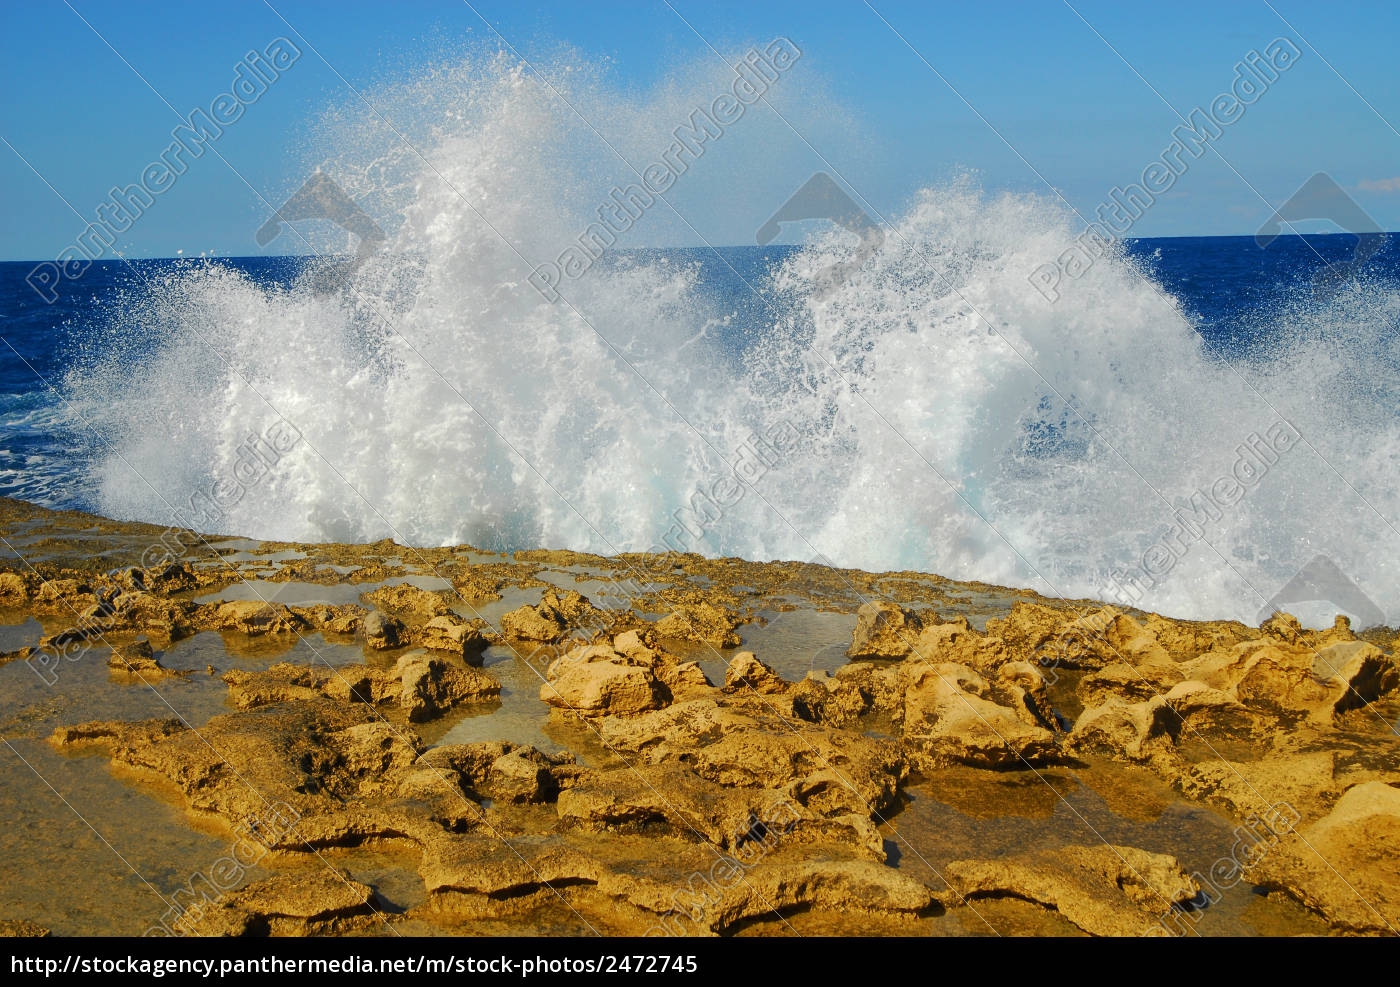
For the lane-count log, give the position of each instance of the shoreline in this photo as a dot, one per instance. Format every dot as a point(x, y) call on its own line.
point(365, 739)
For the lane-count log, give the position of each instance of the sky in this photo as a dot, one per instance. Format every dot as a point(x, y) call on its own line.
point(1045, 98)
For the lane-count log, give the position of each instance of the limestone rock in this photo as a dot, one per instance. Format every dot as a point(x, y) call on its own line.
point(884, 630)
point(430, 686)
point(137, 659)
point(746, 672)
point(256, 618)
point(1136, 731)
point(544, 622)
point(1303, 782)
point(683, 680)
point(451, 633)
point(406, 598)
point(949, 716)
point(703, 622)
point(311, 903)
point(383, 632)
point(1346, 866)
point(822, 698)
point(596, 680)
point(330, 771)
point(1205, 712)
point(16, 928)
point(421, 685)
point(503, 771)
point(1129, 682)
point(13, 589)
point(1059, 639)
point(1295, 679)
point(340, 619)
point(1104, 890)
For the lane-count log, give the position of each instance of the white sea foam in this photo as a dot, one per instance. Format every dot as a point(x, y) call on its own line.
point(951, 419)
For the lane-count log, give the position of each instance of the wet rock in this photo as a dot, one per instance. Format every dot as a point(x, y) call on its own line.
point(703, 622)
point(956, 642)
point(13, 589)
point(313, 903)
point(16, 928)
point(596, 680)
point(342, 619)
point(786, 880)
point(176, 577)
point(138, 659)
point(884, 685)
point(152, 614)
point(1104, 890)
point(282, 683)
point(519, 777)
point(383, 632)
point(1028, 629)
point(683, 680)
point(746, 672)
point(1136, 731)
point(951, 717)
point(1185, 639)
point(884, 630)
point(543, 622)
point(330, 770)
point(1024, 688)
point(671, 799)
point(503, 771)
point(1304, 781)
point(1283, 626)
point(821, 698)
point(421, 685)
point(753, 750)
point(451, 633)
point(63, 596)
point(1272, 674)
point(85, 630)
point(1205, 712)
point(703, 893)
point(430, 686)
point(474, 584)
point(255, 618)
point(1132, 683)
point(831, 772)
point(636, 646)
point(1056, 638)
point(483, 876)
point(22, 654)
point(1345, 866)
point(406, 598)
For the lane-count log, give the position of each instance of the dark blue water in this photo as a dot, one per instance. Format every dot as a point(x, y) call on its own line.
point(1221, 284)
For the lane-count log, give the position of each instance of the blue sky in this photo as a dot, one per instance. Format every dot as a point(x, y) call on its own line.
point(1041, 79)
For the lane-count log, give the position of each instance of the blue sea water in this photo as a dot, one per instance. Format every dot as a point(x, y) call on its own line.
point(589, 427)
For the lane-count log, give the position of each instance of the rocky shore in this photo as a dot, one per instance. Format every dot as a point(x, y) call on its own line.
point(295, 739)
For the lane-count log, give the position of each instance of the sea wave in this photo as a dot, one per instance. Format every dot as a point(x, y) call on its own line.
point(936, 411)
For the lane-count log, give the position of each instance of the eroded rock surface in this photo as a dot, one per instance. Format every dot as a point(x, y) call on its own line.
point(421, 685)
point(696, 807)
point(1104, 890)
point(1345, 866)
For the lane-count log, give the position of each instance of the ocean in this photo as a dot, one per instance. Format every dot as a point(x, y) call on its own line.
point(932, 411)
